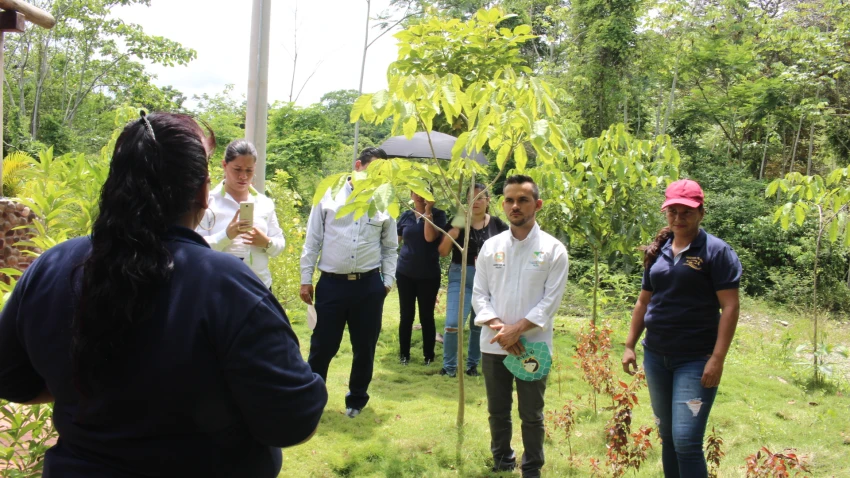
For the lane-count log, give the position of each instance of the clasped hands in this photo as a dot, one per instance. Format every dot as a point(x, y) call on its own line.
point(507, 336)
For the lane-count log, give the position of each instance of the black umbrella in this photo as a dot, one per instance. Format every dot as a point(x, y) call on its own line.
point(418, 147)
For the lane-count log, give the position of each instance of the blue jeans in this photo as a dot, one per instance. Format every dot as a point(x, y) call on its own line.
point(452, 305)
point(681, 406)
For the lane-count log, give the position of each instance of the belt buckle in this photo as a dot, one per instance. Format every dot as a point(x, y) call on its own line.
point(351, 276)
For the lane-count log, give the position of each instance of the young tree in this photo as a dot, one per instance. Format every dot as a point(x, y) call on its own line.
point(509, 113)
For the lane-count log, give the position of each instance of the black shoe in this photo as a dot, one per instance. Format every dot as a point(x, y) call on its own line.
point(473, 372)
point(428, 361)
point(443, 371)
point(503, 467)
point(404, 360)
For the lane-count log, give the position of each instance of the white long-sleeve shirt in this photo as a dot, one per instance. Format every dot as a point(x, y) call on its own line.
point(224, 207)
point(519, 279)
point(348, 245)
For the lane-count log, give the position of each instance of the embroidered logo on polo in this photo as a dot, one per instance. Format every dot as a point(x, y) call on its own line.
point(499, 260)
point(539, 259)
point(694, 262)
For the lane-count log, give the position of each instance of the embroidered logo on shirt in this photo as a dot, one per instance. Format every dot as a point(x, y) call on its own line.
point(499, 260)
point(694, 262)
point(539, 259)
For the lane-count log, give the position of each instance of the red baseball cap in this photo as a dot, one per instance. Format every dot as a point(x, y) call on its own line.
point(684, 192)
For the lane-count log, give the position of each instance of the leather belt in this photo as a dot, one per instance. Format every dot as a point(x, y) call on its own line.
point(353, 275)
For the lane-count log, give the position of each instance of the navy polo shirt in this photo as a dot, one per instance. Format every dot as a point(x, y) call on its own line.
point(213, 383)
point(419, 259)
point(684, 314)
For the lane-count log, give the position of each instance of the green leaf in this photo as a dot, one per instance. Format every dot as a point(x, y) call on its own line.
point(833, 230)
point(772, 188)
point(361, 107)
point(521, 158)
point(502, 156)
point(800, 213)
point(324, 185)
point(410, 127)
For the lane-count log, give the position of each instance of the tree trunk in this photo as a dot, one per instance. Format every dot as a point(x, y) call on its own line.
point(811, 146)
point(595, 284)
point(672, 96)
point(815, 299)
point(796, 141)
point(764, 153)
point(362, 72)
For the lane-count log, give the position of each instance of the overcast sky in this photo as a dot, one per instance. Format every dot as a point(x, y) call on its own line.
point(330, 42)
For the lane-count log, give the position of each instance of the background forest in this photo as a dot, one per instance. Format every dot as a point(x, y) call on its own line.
point(748, 92)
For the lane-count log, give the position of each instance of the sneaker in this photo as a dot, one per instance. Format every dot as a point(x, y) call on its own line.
point(473, 372)
point(352, 412)
point(404, 360)
point(443, 371)
point(428, 361)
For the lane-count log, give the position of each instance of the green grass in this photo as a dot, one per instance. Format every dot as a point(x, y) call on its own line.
point(408, 429)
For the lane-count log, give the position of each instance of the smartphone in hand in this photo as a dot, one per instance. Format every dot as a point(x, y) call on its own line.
point(246, 212)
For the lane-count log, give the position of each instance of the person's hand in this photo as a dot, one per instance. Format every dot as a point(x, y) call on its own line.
point(236, 226)
point(256, 237)
point(629, 361)
point(388, 289)
point(712, 372)
point(428, 206)
point(307, 293)
point(508, 338)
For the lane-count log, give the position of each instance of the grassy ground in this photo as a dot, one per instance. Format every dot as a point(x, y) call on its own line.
point(408, 428)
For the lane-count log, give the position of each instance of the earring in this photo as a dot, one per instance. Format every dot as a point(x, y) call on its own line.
point(212, 226)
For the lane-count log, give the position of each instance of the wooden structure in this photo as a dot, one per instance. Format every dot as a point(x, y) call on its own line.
point(13, 18)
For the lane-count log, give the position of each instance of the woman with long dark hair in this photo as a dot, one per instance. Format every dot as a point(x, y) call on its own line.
point(689, 306)
point(483, 227)
point(182, 363)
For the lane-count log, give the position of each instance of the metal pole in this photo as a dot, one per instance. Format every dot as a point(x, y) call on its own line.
point(2, 81)
point(256, 121)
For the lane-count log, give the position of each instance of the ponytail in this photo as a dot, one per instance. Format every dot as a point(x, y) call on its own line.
point(650, 252)
point(157, 169)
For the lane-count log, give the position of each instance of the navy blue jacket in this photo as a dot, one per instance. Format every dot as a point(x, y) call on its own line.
point(683, 315)
point(213, 384)
point(419, 259)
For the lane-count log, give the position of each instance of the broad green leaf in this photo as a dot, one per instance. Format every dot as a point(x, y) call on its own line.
point(521, 157)
point(502, 155)
point(362, 107)
point(800, 213)
point(833, 230)
point(324, 185)
point(772, 188)
point(410, 127)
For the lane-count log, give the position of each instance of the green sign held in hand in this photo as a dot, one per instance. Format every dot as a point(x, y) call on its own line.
point(533, 365)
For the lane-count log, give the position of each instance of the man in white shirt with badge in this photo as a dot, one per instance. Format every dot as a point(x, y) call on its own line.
point(357, 265)
point(519, 282)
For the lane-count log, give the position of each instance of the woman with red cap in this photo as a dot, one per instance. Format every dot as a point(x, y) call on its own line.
point(689, 306)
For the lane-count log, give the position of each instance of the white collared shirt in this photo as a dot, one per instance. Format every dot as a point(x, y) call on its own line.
point(223, 206)
point(348, 245)
point(519, 279)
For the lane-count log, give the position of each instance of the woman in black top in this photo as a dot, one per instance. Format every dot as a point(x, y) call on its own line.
point(418, 273)
point(482, 228)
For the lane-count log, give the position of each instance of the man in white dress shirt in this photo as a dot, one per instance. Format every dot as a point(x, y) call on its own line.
point(519, 282)
point(357, 261)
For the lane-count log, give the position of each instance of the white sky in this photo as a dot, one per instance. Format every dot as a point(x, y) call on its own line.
point(330, 41)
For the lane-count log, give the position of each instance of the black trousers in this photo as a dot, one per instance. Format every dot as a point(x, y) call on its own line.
point(358, 303)
point(499, 383)
point(410, 291)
